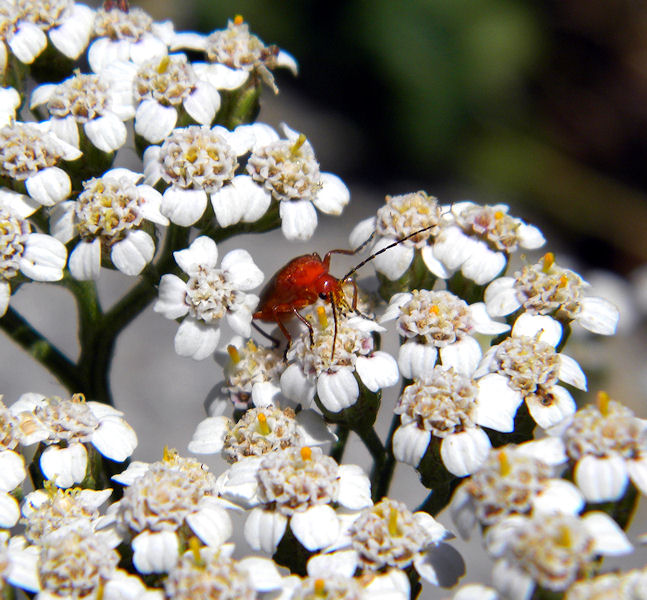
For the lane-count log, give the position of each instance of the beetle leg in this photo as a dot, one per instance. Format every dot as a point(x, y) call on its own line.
point(306, 323)
point(275, 341)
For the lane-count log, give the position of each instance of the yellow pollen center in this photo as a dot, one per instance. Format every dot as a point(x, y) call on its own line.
point(498, 215)
point(504, 463)
point(263, 427)
point(603, 402)
point(233, 354)
point(169, 454)
point(393, 522)
point(194, 546)
point(80, 398)
point(320, 587)
point(238, 20)
point(322, 317)
point(433, 309)
point(163, 64)
point(548, 261)
point(306, 453)
point(564, 539)
point(563, 281)
point(300, 141)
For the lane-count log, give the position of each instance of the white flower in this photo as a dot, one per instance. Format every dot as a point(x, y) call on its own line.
point(37, 256)
point(333, 583)
point(547, 289)
point(550, 550)
point(130, 36)
point(288, 170)
point(160, 90)
point(438, 322)
point(610, 586)
point(330, 367)
point(28, 153)
point(608, 445)
point(480, 239)
point(9, 102)
point(234, 54)
point(109, 216)
point(527, 364)
point(259, 431)
point(88, 101)
point(389, 536)
point(209, 295)
point(162, 501)
point(24, 23)
point(199, 163)
point(65, 426)
point(294, 487)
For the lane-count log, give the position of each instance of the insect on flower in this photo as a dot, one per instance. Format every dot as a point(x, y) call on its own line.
point(305, 279)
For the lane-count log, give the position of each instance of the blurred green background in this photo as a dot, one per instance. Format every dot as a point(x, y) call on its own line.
point(542, 105)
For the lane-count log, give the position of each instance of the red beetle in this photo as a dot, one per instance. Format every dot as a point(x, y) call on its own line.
point(305, 279)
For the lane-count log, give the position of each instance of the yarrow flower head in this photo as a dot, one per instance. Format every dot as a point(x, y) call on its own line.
point(109, 216)
point(209, 295)
point(163, 503)
point(37, 256)
point(332, 371)
point(439, 323)
point(337, 585)
point(66, 427)
point(551, 551)
point(608, 445)
point(12, 466)
point(631, 585)
point(234, 55)
point(26, 24)
point(288, 171)
point(295, 486)
point(127, 36)
point(528, 364)
point(29, 154)
point(548, 289)
point(86, 101)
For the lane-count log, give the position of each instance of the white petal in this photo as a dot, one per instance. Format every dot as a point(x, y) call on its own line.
point(598, 315)
point(463, 511)
point(570, 372)
point(183, 207)
point(153, 121)
point(286, 60)
point(298, 219)
point(333, 195)
point(482, 322)
point(463, 356)
point(511, 582)
point(394, 262)
point(12, 470)
point(252, 137)
point(464, 452)
point(637, 469)
point(559, 496)
point(452, 247)
point(61, 221)
point(530, 237)
point(195, 339)
point(549, 330)
point(172, 294)
point(20, 205)
point(362, 232)
point(211, 524)
point(241, 270)
point(416, 360)
point(190, 40)
point(152, 165)
point(28, 42)
point(49, 186)
point(501, 297)
point(410, 443)
point(223, 77)
point(240, 320)
point(377, 371)
point(71, 37)
point(316, 527)
point(108, 133)
point(549, 450)
point(610, 540)
point(133, 253)
point(5, 295)
point(497, 403)
point(115, 439)
point(155, 552)
point(354, 487)
point(337, 391)
point(296, 386)
point(241, 200)
point(262, 572)
point(483, 265)
point(44, 258)
point(209, 435)
point(104, 51)
point(147, 47)
point(435, 266)
point(85, 260)
point(203, 252)
point(203, 103)
point(394, 308)
point(440, 564)
point(560, 407)
point(601, 479)
point(152, 202)
point(264, 529)
point(343, 562)
point(64, 466)
point(9, 511)
point(42, 94)
point(66, 129)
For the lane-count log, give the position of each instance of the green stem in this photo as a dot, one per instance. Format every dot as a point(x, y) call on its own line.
point(38, 346)
point(337, 451)
point(381, 477)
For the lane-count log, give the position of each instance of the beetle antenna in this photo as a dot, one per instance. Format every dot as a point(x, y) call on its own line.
point(392, 245)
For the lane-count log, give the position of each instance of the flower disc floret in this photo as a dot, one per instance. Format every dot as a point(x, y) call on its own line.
point(75, 565)
point(108, 208)
point(9, 428)
point(333, 587)
point(119, 25)
point(387, 535)
point(297, 478)
point(492, 224)
point(287, 169)
point(443, 404)
point(69, 420)
point(43, 14)
point(407, 213)
point(168, 80)
point(84, 97)
point(261, 431)
point(251, 365)
point(25, 150)
point(14, 233)
point(197, 158)
point(209, 295)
